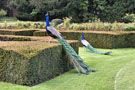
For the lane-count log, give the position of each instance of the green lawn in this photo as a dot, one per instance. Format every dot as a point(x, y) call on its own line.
point(114, 71)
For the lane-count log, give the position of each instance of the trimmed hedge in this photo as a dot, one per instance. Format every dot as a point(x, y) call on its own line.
point(105, 40)
point(131, 39)
point(30, 63)
point(17, 32)
point(40, 33)
point(14, 38)
point(99, 39)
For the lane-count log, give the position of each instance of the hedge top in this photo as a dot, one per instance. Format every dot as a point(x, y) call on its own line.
point(19, 29)
point(100, 32)
point(29, 48)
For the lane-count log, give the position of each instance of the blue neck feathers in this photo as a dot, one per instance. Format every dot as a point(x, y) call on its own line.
point(82, 36)
point(47, 21)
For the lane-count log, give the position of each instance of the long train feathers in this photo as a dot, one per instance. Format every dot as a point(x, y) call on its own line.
point(90, 48)
point(77, 60)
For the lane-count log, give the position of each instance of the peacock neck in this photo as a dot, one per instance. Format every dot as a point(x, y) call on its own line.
point(82, 36)
point(47, 21)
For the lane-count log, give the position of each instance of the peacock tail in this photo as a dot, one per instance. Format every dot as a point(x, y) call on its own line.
point(76, 59)
point(92, 50)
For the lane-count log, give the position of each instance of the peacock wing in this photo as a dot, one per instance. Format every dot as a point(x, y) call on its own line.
point(54, 31)
point(84, 42)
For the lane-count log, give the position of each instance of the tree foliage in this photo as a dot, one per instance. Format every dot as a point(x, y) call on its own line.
point(3, 4)
point(79, 10)
point(3, 13)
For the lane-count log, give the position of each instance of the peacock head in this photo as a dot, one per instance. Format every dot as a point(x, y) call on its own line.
point(47, 14)
point(82, 36)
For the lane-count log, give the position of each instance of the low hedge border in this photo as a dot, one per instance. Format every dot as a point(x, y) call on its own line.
point(22, 32)
point(14, 38)
point(30, 63)
point(99, 39)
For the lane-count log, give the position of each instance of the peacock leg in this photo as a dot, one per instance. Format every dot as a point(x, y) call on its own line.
point(50, 40)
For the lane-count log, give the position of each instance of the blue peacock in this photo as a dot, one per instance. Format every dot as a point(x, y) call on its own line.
point(86, 44)
point(76, 60)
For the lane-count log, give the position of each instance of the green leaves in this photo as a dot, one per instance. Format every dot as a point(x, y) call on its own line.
point(79, 10)
point(3, 13)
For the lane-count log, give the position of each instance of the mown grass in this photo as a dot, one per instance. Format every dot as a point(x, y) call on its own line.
point(125, 79)
point(103, 79)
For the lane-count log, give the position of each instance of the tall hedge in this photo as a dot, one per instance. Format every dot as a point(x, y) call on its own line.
point(30, 63)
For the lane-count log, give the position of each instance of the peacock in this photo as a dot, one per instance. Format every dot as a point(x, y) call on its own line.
point(77, 61)
point(86, 44)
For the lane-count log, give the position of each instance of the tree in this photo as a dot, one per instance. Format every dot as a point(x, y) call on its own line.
point(111, 10)
point(24, 9)
point(3, 4)
point(61, 8)
point(79, 10)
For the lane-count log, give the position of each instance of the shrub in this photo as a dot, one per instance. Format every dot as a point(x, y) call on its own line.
point(76, 26)
point(67, 22)
point(41, 25)
point(24, 16)
point(34, 12)
point(3, 13)
point(107, 27)
point(55, 22)
point(32, 26)
point(116, 26)
point(8, 19)
point(5, 24)
point(19, 25)
point(129, 29)
point(129, 18)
